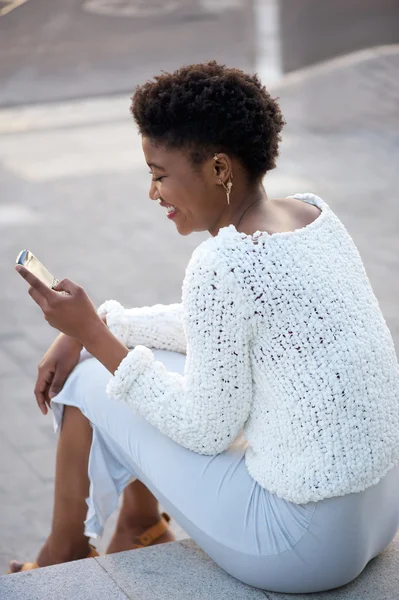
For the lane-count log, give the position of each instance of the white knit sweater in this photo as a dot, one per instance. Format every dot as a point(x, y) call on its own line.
point(284, 339)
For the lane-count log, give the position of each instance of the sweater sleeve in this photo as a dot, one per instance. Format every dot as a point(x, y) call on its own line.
point(205, 408)
point(159, 326)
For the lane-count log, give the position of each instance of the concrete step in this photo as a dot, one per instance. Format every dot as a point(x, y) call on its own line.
point(179, 571)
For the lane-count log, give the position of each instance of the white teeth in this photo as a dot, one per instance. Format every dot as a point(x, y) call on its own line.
point(170, 209)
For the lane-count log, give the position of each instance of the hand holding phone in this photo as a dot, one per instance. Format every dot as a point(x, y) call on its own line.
point(65, 304)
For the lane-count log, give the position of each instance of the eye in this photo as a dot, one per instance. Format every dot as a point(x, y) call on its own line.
point(154, 178)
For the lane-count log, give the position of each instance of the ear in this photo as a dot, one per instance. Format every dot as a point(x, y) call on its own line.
point(222, 167)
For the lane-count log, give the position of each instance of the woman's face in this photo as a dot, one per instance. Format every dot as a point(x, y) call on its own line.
point(199, 201)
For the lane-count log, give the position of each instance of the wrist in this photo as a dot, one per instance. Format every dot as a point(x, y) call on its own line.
point(94, 336)
point(70, 340)
point(105, 347)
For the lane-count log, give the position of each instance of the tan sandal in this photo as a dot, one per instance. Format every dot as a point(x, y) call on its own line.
point(29, 566)
point(145, 539)
point(153, 533)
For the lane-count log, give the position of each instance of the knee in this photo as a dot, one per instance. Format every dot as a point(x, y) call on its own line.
point(75, 422)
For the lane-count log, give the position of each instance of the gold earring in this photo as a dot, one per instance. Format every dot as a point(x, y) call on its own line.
point(229, 183)
point(227, 188)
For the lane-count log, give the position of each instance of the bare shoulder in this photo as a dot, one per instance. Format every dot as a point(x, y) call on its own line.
point(294, 214)
point(295, 208)
point(283, 214)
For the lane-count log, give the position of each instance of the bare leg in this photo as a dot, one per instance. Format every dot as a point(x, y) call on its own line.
point(140, 510)
point(67, 541)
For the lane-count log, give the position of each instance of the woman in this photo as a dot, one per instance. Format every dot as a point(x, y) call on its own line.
point(278, 334)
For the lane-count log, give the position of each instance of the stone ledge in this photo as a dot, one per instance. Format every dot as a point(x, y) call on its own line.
point(178, 571)
point(78, 580)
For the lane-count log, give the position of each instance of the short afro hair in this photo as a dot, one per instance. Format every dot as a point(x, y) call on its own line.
point(207, 108)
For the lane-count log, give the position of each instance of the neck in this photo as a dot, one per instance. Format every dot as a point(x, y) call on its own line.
point(243, 203)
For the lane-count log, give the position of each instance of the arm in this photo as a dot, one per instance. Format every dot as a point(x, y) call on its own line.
point(159, 326)
point(104, 346)
point(205, 408)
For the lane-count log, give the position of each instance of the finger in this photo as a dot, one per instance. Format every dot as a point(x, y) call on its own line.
point(43, 383)
point(38, 298)
point(41, 396)
point(66, 285)
point(38, 285)
point(46, 395)
point(58, 383)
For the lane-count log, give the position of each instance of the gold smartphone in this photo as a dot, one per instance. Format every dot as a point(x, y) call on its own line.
point(30, 262)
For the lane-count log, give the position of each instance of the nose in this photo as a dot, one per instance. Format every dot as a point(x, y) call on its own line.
point(153, 192)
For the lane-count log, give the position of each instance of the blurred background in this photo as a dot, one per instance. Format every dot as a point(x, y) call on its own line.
point(73, 182)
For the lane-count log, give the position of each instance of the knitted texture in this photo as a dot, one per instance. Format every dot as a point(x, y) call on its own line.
point(159, 326)
point(284, 339)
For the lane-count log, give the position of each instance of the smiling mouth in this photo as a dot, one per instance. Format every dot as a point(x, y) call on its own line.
point(170, 208)
point(171, 214)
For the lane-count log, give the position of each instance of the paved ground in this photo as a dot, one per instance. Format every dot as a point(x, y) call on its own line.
point(82, 48)
point(316, 31)
point(74, 190)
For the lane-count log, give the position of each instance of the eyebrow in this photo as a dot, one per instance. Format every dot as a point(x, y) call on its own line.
point(153, 165)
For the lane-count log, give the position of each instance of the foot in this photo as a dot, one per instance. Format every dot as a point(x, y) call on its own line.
point(17, 567)
point(126, 537)
point(50, 555)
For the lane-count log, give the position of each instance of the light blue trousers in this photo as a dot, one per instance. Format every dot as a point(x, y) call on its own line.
point(254, 535)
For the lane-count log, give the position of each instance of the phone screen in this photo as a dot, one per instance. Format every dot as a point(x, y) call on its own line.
point(30, 262)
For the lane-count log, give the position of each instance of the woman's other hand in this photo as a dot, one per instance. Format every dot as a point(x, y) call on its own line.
point(54, 369)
